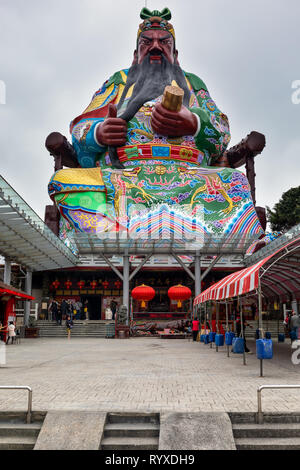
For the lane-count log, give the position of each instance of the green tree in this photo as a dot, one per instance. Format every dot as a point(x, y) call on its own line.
point(286, 213)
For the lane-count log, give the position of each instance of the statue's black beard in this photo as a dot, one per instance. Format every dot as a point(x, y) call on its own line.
point(150, 80)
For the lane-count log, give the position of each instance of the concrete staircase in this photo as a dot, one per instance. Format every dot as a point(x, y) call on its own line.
point(278, 431)
point(15, 434)
point(271, 326)
point(80, 328)
point(131, 431)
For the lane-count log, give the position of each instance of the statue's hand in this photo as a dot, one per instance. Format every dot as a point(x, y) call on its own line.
point(113, 130)
point(173, 123)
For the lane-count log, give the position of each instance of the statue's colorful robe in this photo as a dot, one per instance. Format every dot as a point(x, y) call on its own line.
point(168, 185)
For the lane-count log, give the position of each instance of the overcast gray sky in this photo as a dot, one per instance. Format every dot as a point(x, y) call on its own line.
point(55, 53)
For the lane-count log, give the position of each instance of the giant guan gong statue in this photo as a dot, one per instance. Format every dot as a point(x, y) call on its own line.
point(145, 158)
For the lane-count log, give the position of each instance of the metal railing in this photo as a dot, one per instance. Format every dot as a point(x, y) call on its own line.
point(260, 415)
point(22, 387)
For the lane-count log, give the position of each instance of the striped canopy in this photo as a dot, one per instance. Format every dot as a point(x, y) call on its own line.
point(279, 273)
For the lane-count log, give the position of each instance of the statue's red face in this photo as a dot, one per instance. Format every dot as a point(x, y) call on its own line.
point(155, 42)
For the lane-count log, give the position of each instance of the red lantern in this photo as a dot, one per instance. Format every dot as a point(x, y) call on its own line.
point(143, 293)
point(81, 284)
point(105, 284)
point(55, 284)
point(93, 284)
point(179, 293)
point(118, 284)
point(68, 284)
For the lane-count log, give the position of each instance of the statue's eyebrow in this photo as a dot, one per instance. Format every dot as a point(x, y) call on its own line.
point(160, 39)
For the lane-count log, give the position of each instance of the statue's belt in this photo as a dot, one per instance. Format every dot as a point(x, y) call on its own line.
point(152, 151)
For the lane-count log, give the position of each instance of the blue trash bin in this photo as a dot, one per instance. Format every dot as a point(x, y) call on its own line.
point(238, 345)
point(219, 340)
point(202, 338)
point(229, 335)
point(281, 338)
point(206, 339)
point(212, 336)
point(268, 335)
point(264, 349)
point(293, 335)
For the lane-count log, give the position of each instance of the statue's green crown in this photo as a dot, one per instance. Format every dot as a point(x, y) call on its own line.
point(156, 20)
point(165, 14)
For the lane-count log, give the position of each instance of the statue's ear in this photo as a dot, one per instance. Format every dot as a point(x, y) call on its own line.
point(176, 57)
point(135, 57)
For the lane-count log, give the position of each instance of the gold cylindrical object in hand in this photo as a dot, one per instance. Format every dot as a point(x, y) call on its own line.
point(172, 98)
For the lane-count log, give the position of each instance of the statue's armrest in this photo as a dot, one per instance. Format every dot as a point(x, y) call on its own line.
point(238, 155)
point(62, 151)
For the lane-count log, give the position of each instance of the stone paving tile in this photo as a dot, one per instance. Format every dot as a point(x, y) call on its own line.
point(147, 374)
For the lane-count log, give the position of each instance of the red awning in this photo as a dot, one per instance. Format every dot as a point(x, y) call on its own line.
point(279, 275)
point(9, 290)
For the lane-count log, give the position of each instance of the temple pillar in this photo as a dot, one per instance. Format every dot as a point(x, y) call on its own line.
point(126, 284)
point(294, 305)
point(197, 275)
point(28, 290)
point(7, 271)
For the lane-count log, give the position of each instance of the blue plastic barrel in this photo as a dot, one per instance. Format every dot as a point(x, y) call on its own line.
point(219, 340)
point(293, 335)
point(238, 345)
point(268, 335)
point(229, 335)
point(281, 338)
point(206, 339)
point(212, 336)
point(264, 349)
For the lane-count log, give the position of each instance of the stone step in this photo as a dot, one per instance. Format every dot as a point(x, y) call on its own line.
point(287, 443)
point(19, 417)
point(278, 418)
point(131, 430)
point(73, 336)
point(77, 322)
point(64, 333)
point(19, 429)
point(80, 329)
point(129, 443)
point(17, 442)
point(133, 418)
point(276, 430)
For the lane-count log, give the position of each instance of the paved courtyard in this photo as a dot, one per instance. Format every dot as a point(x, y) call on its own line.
point(143, 374)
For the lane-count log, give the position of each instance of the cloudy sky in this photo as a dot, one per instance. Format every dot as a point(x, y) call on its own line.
point(55, 53)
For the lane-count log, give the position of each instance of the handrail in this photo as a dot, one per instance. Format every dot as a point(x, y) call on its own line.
point(259, 401)
point(22, 387)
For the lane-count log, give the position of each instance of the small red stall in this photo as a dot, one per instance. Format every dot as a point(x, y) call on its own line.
point(8, 297)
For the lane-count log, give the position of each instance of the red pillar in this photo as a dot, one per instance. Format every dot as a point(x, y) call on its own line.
point(9, 313)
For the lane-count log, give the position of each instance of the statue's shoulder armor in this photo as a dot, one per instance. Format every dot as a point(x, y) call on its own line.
point(196, 82)
point(106, 94)
point(118, 78)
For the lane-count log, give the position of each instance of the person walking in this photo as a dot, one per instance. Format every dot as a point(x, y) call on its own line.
point(69, 326)
point(64, 308)
point(58, 314)
point(11, 332)
point(239, 330)
point(287, 323)
point(86, 309)
point(2, 333)
point(195, 329)
point(113, 307)
point(54, 310)
point(295, 324)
